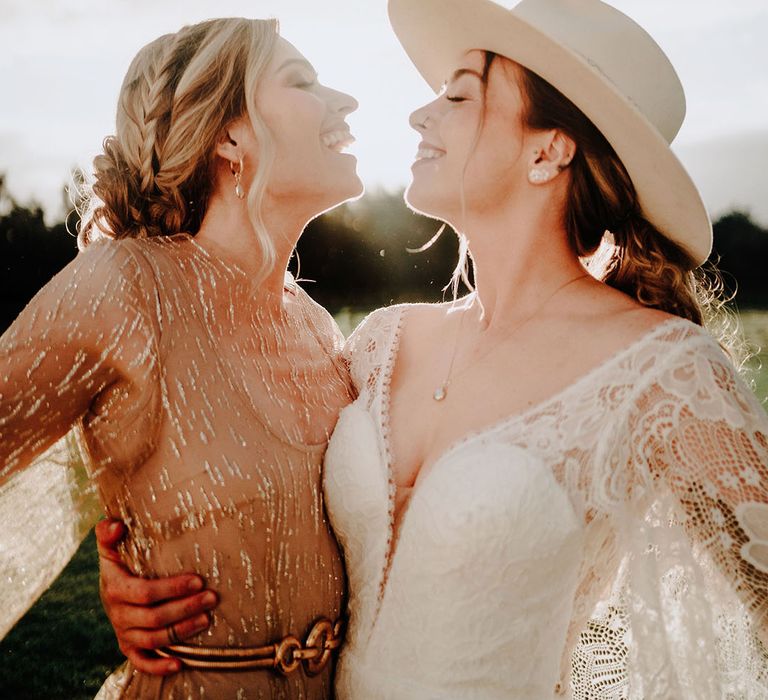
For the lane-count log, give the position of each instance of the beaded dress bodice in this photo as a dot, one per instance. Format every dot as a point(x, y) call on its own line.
point(204, 412)
point(589, 547)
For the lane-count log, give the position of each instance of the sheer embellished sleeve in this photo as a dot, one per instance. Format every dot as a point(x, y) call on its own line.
point(697, 586)
point(85, 339)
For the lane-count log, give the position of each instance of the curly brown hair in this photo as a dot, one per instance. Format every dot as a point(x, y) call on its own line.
point(606, 226)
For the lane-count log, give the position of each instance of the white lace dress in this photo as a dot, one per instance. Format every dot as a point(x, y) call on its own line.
point(610, 542)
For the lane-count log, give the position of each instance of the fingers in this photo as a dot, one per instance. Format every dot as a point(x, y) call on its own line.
point(108, 536)
point(124, 617)
point(119, 586)
point(149, 663)
point(146, 639)
point(143, 610)
point(109, 531)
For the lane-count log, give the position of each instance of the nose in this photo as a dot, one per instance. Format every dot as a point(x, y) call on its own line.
point(419, 117)
point(342, 102)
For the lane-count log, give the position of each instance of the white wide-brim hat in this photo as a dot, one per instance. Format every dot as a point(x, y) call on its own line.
point(599, 58)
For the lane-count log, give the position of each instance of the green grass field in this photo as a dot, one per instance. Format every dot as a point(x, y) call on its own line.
point(756, 331)
point(63, 648)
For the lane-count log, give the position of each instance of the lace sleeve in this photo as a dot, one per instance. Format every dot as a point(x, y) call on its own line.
point(84, 332)
point(698, 539)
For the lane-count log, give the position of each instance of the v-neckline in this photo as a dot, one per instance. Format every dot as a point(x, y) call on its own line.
point(425, 471)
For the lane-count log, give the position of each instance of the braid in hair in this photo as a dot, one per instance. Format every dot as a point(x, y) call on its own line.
point(154, 177)
point(114, 199)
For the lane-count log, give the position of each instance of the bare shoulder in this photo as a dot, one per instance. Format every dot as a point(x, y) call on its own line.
point(426, 329)
point(633, 322)
point(423, 315)
point(608, 318)
point(427, 321)
point(391, 316)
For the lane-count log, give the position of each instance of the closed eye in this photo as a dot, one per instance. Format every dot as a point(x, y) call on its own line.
point(455, 98)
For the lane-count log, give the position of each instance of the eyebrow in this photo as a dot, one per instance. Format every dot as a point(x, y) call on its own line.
point(464, 71)
point(303, 62)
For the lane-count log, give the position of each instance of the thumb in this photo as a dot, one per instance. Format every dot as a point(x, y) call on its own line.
point(109, 533)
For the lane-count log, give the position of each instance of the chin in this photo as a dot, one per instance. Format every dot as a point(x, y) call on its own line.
point(424, 203)
point(354, 189)
point(357, 189)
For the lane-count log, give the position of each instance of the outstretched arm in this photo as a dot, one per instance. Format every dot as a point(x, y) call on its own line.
point(86, 331)
point(147, 614)
point(701, 434)
point(85, 337)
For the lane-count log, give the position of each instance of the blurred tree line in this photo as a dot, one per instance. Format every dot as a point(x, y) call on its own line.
point(355, 256)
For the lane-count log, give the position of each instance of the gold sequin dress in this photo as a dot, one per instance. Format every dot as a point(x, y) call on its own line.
point(203, 409)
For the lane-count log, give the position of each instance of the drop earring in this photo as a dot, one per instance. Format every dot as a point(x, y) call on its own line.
point(238, 174)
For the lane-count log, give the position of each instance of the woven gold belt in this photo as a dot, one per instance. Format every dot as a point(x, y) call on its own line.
point(284, 656)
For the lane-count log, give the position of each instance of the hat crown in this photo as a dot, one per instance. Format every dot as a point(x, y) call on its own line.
point(619, 49)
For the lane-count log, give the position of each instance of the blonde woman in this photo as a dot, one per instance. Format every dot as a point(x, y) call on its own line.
point(201, 382)
point(557, 487)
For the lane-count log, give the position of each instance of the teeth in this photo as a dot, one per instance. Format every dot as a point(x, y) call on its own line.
point(337, 140)
point(427, 153)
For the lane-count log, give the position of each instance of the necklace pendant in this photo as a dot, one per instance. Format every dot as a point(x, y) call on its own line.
point(440, 393)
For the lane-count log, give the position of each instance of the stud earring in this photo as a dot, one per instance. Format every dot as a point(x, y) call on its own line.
point(238, 173)
point(538, 176)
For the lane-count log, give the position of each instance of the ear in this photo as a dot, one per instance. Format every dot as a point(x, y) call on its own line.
point(231, 141)
point(553, 152)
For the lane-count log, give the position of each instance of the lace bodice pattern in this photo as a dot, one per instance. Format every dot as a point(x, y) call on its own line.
point(202, 413)
point(610, 542)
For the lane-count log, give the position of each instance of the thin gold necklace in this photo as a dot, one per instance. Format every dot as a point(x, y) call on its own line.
point(442, 390)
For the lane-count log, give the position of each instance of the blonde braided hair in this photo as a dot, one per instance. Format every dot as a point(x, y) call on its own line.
point(155, 175)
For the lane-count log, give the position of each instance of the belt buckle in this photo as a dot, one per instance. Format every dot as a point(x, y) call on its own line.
point(323, 638)
point(286, 658)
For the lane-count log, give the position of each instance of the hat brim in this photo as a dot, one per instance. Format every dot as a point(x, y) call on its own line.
point(436, 35)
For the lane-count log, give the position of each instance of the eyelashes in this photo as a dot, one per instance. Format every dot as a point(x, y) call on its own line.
point(455, 99)
point(303, 80)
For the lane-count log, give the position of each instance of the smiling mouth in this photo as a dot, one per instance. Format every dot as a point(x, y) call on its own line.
point(425, 153)
point(337, 140)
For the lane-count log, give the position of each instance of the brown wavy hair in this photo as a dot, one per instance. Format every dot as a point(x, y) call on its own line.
point(606, 227)
point(155, 175)
point(644, 263)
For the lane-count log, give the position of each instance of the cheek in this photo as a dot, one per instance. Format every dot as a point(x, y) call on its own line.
point(458, 131)
point(298, 136)
point(295, 124)
point(498, 155)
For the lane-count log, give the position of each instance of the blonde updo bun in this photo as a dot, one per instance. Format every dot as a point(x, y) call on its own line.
point(155, 175)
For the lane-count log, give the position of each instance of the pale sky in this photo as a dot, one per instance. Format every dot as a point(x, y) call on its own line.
point(63, 61)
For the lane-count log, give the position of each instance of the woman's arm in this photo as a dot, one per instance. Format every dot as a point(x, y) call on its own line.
point(86, 330)
point(698, 582)
point(86, 339)
point(705, 436)
point(145, 613)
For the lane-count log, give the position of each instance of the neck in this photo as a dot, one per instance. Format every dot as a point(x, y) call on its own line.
point(230, 234)
point(537, 260)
